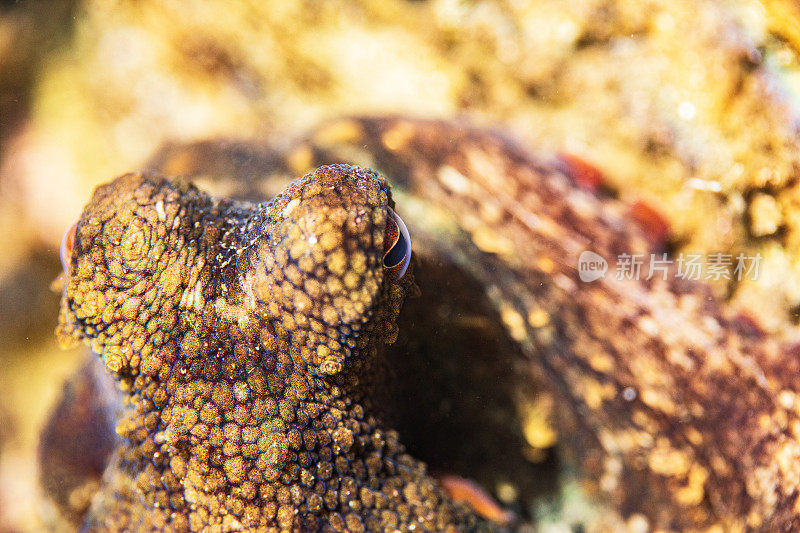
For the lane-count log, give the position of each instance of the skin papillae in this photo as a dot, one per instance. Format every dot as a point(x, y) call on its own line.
point(674, 407)
point(247, 341)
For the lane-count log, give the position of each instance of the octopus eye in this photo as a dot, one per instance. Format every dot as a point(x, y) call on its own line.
point(396, 247)
point(67, 242)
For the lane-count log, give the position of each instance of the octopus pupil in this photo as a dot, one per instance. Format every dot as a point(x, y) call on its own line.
point(396, 246)
point(67, 243)
point(396, 253)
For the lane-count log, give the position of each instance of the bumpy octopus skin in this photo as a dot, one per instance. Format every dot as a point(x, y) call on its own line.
point(676, 409)
point(679, 412)
point(246, 339)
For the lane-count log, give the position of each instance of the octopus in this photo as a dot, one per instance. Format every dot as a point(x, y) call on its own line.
point(250, 340)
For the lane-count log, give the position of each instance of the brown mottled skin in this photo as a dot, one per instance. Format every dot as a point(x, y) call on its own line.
point(246, 339)
point(675, 408)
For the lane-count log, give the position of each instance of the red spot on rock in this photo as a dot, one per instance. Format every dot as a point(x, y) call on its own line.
point(654, 225)
point(584, 174)
point(469, 492)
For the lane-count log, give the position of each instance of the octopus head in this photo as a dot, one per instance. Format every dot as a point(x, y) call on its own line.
point(120, 261)
point(329, 271)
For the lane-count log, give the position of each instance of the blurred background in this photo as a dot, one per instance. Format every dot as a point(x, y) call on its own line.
point(688, 108)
